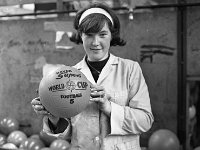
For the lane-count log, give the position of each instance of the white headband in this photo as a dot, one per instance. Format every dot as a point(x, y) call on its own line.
point(95, 10)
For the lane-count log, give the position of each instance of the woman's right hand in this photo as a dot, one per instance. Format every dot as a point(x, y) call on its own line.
point(40, 110)
point(38, 107)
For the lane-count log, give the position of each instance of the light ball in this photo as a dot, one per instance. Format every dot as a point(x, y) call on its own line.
point(65, 92)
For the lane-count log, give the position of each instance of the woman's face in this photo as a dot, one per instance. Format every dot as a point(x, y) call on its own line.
point(97, 45)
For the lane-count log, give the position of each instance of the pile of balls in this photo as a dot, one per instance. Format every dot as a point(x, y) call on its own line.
point(12, 138)
point(64, 92)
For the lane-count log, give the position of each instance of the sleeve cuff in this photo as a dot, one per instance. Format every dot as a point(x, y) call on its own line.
point(51, 126)
point(65, 134)
point(116, 119)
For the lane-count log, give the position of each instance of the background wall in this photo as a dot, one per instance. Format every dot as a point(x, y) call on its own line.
point(27, 45)
point(193, 53)
point(151, 40)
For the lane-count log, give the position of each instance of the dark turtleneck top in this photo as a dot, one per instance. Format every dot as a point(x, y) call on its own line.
point(96, 67)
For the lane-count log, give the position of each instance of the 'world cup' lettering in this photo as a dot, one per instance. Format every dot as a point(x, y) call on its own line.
point(69, 85)
point(82, 85)
point(56, 87)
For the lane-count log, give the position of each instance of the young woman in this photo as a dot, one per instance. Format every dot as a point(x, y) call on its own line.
point(119, 109)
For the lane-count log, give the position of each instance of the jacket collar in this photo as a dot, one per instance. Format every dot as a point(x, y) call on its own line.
point(82, 66)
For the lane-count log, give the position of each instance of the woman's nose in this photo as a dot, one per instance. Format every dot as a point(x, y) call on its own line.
point(95, 41)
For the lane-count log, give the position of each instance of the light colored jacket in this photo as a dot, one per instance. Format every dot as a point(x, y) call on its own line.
point(131, 112)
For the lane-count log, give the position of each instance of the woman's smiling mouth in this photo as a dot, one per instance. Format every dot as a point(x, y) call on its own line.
point(94, 49)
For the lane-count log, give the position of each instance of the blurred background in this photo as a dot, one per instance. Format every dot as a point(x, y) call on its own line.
point(162, 35)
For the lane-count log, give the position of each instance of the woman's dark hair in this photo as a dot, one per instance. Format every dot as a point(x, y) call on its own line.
point(95, 23)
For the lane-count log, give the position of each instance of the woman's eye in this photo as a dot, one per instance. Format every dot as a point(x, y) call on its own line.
point(89, 34)
point(102, 35)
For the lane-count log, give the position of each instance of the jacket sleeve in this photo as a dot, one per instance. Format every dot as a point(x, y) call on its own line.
point(137, 117)
point(49, 134)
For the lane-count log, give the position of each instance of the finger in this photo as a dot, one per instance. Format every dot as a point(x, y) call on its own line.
point(97, 88)
point(39, 107)
point(97, 94)
point(43, 112)
point(37, 98)
point(36, 101)
point(100, 100)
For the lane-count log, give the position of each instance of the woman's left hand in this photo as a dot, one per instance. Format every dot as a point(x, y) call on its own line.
point(98, 95)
